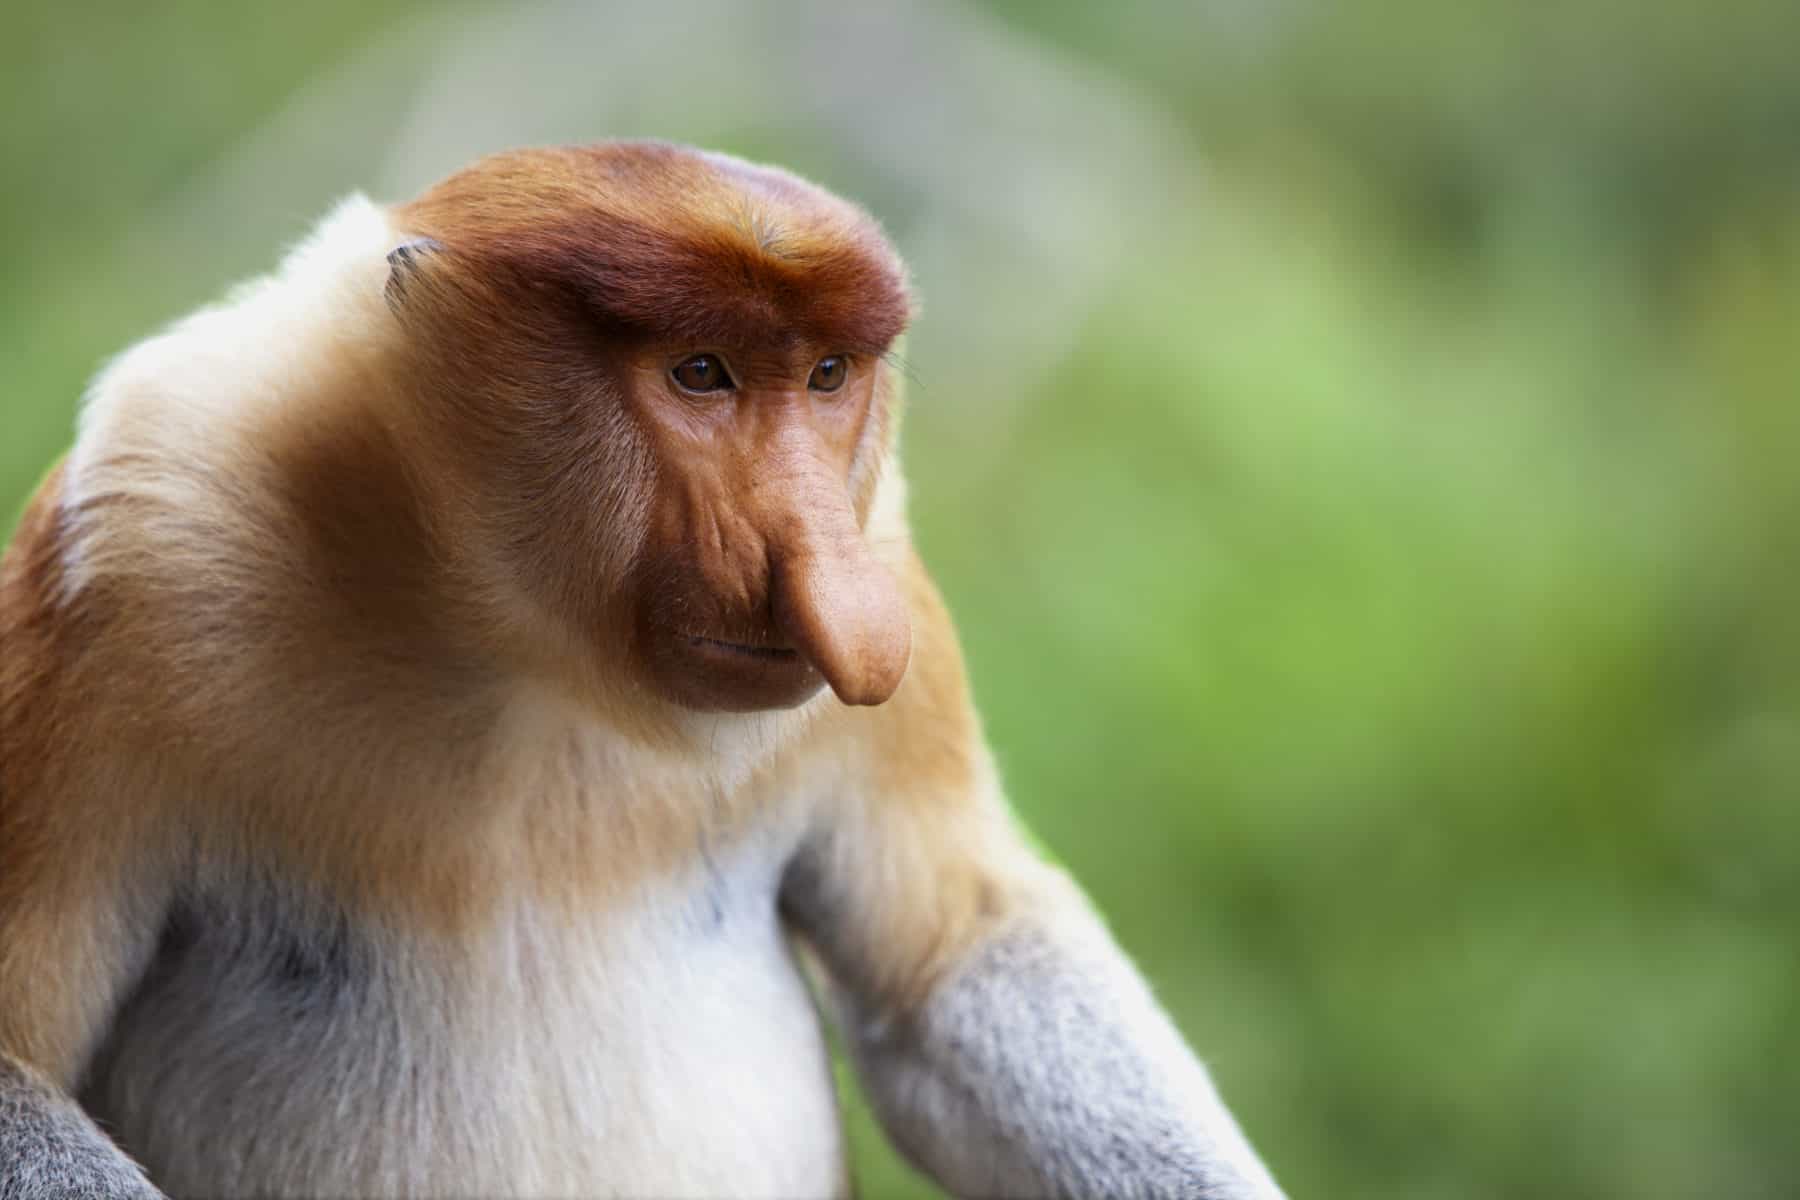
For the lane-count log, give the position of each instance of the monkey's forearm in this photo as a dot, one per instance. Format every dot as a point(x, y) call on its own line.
point(51, 1150)
point(1042, 1067)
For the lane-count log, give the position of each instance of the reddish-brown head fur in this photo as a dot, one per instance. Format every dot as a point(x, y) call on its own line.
point(714, 539)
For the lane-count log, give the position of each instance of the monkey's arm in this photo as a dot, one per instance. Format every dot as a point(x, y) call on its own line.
point(73, 930)
point(63, 962)
point(1009, 1046)
point(50, 1150)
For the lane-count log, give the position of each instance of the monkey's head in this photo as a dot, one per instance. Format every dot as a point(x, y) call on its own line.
point(657, 379)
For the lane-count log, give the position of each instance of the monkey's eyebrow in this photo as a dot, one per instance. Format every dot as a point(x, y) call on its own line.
point(402, 261)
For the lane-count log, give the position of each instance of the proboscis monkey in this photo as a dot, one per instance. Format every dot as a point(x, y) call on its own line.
point(449, 679)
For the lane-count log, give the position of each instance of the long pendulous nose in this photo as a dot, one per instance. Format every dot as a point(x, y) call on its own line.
point(842, 608)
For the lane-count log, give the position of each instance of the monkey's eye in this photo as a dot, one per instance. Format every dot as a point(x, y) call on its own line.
point(701, 373)
point(829, 375)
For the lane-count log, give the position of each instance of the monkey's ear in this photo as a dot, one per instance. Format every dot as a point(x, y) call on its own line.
point(403, 264)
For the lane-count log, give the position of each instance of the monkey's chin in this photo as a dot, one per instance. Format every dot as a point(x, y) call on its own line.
point(711, 675)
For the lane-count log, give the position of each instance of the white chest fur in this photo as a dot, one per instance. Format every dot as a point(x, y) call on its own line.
point(667, 1047)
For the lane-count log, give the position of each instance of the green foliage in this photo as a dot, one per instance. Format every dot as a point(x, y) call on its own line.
point(1388, 605)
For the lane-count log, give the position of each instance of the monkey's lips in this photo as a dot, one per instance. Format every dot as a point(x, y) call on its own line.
point(717, 645)
point(709, 673)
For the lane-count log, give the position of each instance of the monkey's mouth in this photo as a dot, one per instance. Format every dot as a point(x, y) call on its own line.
point(768, 653)
point(722, 674)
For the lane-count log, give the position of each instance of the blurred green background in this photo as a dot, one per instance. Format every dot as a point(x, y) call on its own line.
point(1359, 443)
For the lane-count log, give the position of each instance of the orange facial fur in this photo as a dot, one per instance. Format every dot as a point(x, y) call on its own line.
point(713, 541)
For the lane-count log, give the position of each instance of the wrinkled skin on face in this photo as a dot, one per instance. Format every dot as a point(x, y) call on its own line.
point(758, 585)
